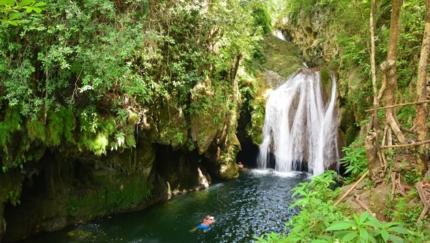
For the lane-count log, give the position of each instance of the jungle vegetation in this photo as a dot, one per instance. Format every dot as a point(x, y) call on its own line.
point(388, 43)
point(79, 75)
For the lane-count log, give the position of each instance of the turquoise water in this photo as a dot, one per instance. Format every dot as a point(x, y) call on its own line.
point(255, 203)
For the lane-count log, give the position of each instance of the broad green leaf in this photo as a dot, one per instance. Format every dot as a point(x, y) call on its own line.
point(7, 2)
point(39, 4)
point(398, 229)
point(391, 224)
point(348, 237)
point(371, 224)
point(364, 235)
point(372, 239)
point(37, 10)
point(14, 16)
point(340, 234)
point(25, 3)
point(384, 235)
point(364, 216)
point(320, 241)
point(395, 239)
point(341, 225)
point(356, 218)
point(13, 22)
point(375, 222)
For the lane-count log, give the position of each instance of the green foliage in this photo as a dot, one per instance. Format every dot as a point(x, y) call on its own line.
point(320, 222)
point(13, 196)
point(10, 124)
point(412, 176)
point(14, 13)
point(36, 130)
point(410, 41)
point(355, 160)
point(60, 127)
point(271, 238)
point(406, 209)
point(367, 228)
point(92, 58)
point(262, 17)
point(406, 115)
point(317, 210)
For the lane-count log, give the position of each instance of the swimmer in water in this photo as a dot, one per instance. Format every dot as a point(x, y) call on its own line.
point(205, 224)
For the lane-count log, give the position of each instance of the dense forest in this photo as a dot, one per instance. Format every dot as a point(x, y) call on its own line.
point(113, 106)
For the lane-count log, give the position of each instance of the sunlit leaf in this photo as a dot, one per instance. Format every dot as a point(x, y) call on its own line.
point(395, 239)
point(348, 237)
point(364, 235)
point(398, 229)
point(14, 16)
point(7, 2)
point(340, 226)
point(39, 4)
point(25, 3)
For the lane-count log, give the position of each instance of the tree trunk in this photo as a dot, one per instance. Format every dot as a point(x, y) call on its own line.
point(375, 120)
point(422, 111)
point(388, 69)
point(372, 155)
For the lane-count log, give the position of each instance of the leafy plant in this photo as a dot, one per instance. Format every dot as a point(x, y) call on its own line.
point(14, 13)
point(405, 211)
point(367, 228)
point(314, 199)
point(412, 176)
point(355, 160)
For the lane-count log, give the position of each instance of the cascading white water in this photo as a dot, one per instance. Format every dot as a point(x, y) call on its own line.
point(300, 125)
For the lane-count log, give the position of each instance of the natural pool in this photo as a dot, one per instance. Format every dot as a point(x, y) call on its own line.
point(255, 203)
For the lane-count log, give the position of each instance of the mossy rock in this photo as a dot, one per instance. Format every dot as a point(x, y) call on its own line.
point(281, 56)
point(172, 127)
point(204, 127)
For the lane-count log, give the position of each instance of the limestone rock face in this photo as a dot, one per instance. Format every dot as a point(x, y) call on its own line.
point(69, 191)
point(311, 33)
point(213, 127)
point(203, 130)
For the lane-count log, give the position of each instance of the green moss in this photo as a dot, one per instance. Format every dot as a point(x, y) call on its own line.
point(125, 192)
point(130, 141)
point(93, 142)
point(36, 130)
point(55, 129)
point(254, 129)
point(325, 77)
point(10, 124)
point(118, 194)
point(69, 124)
point(4, 133)
point(262, 18)
point(13, 118)
point(132, 118)
point(108, 126)
point(11, 185)
point(281, 56)
point(97, 141)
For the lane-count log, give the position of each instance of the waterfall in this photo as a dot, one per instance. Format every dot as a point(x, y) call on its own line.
point(301, 125)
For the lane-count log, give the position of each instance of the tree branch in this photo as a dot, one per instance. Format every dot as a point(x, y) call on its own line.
point(399, 105)
point(406, 145)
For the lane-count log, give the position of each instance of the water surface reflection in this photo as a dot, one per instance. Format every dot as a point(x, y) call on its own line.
point(255, 203)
